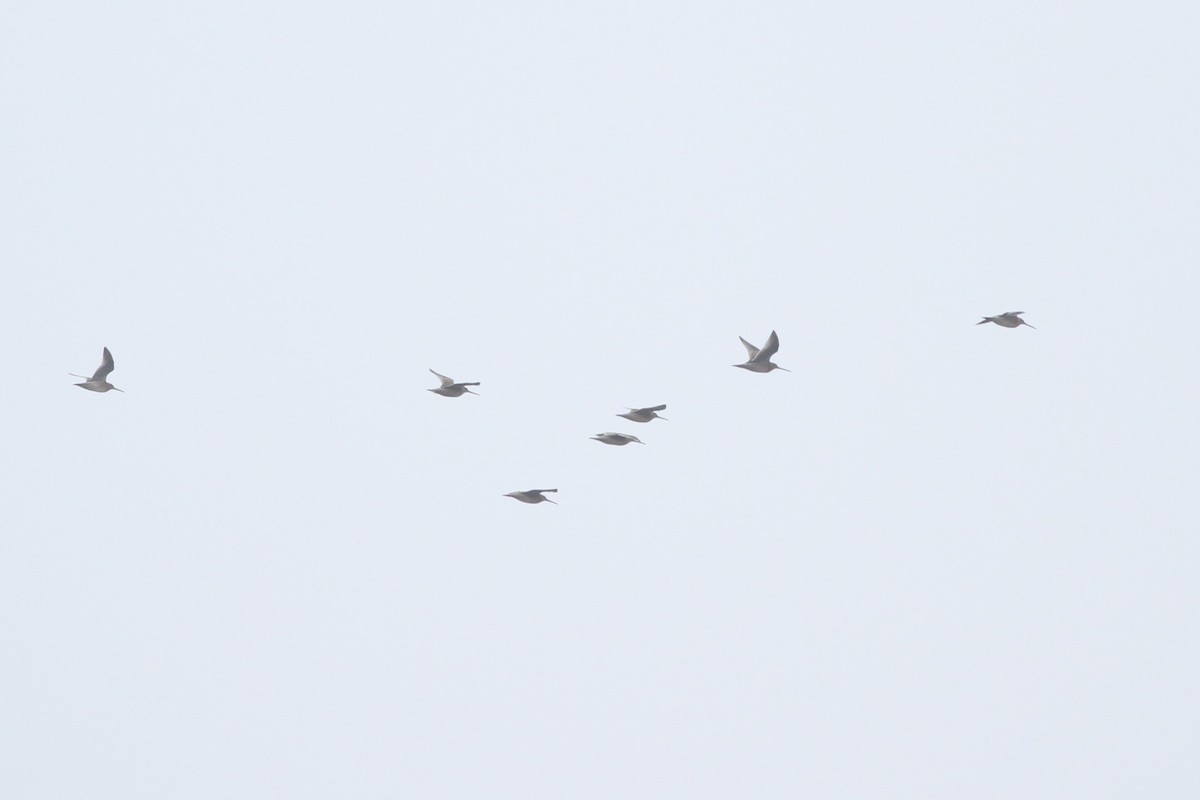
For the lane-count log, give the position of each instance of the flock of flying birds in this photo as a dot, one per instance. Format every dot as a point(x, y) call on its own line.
point(757, 360)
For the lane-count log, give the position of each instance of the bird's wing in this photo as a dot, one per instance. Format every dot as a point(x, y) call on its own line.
point(653, 408)
point(751, 350)
point(1012, 313)
point(445, 381)
point(106, 366)
point(769, 349)
point(543, 491)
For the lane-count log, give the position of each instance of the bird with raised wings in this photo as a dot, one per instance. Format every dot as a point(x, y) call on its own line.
point(451, 389)
point(759, 360)
point(99, 380)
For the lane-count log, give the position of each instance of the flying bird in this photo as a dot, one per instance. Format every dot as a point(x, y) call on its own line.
point(1009, 319)
point(643, 414)
point(760, 360)
point(618, 439)
point(98, 382)
point(532, 496)
point(451, 389)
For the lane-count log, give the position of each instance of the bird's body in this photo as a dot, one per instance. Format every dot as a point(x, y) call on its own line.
point(643, 414)
point(760, 360)
point(1009, 319)
point(532, 496)
point(99, 380)
point(451, 389)
point(618, 439)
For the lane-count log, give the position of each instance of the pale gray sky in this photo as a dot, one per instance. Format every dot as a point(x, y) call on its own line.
point(935, 561)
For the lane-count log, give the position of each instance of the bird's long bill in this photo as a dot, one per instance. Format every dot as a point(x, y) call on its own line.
point(785, 369)
point(115, 389)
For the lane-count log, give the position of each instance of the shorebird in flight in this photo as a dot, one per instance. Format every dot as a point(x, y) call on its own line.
point(532, 496)
point(1009, 319)
point(760, 360)
point(451, 389)
point(98, 382)
point(643, 414)
point(619, 439)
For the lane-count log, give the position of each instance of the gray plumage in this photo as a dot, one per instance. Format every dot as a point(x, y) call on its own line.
point(451, 389)
point(99, 380)
point(759, 360)
point(643, 414)
point(532, 496)
point(1009, 319)
point(618, 439)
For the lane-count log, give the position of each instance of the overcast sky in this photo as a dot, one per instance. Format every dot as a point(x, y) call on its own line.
point(933, 561)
